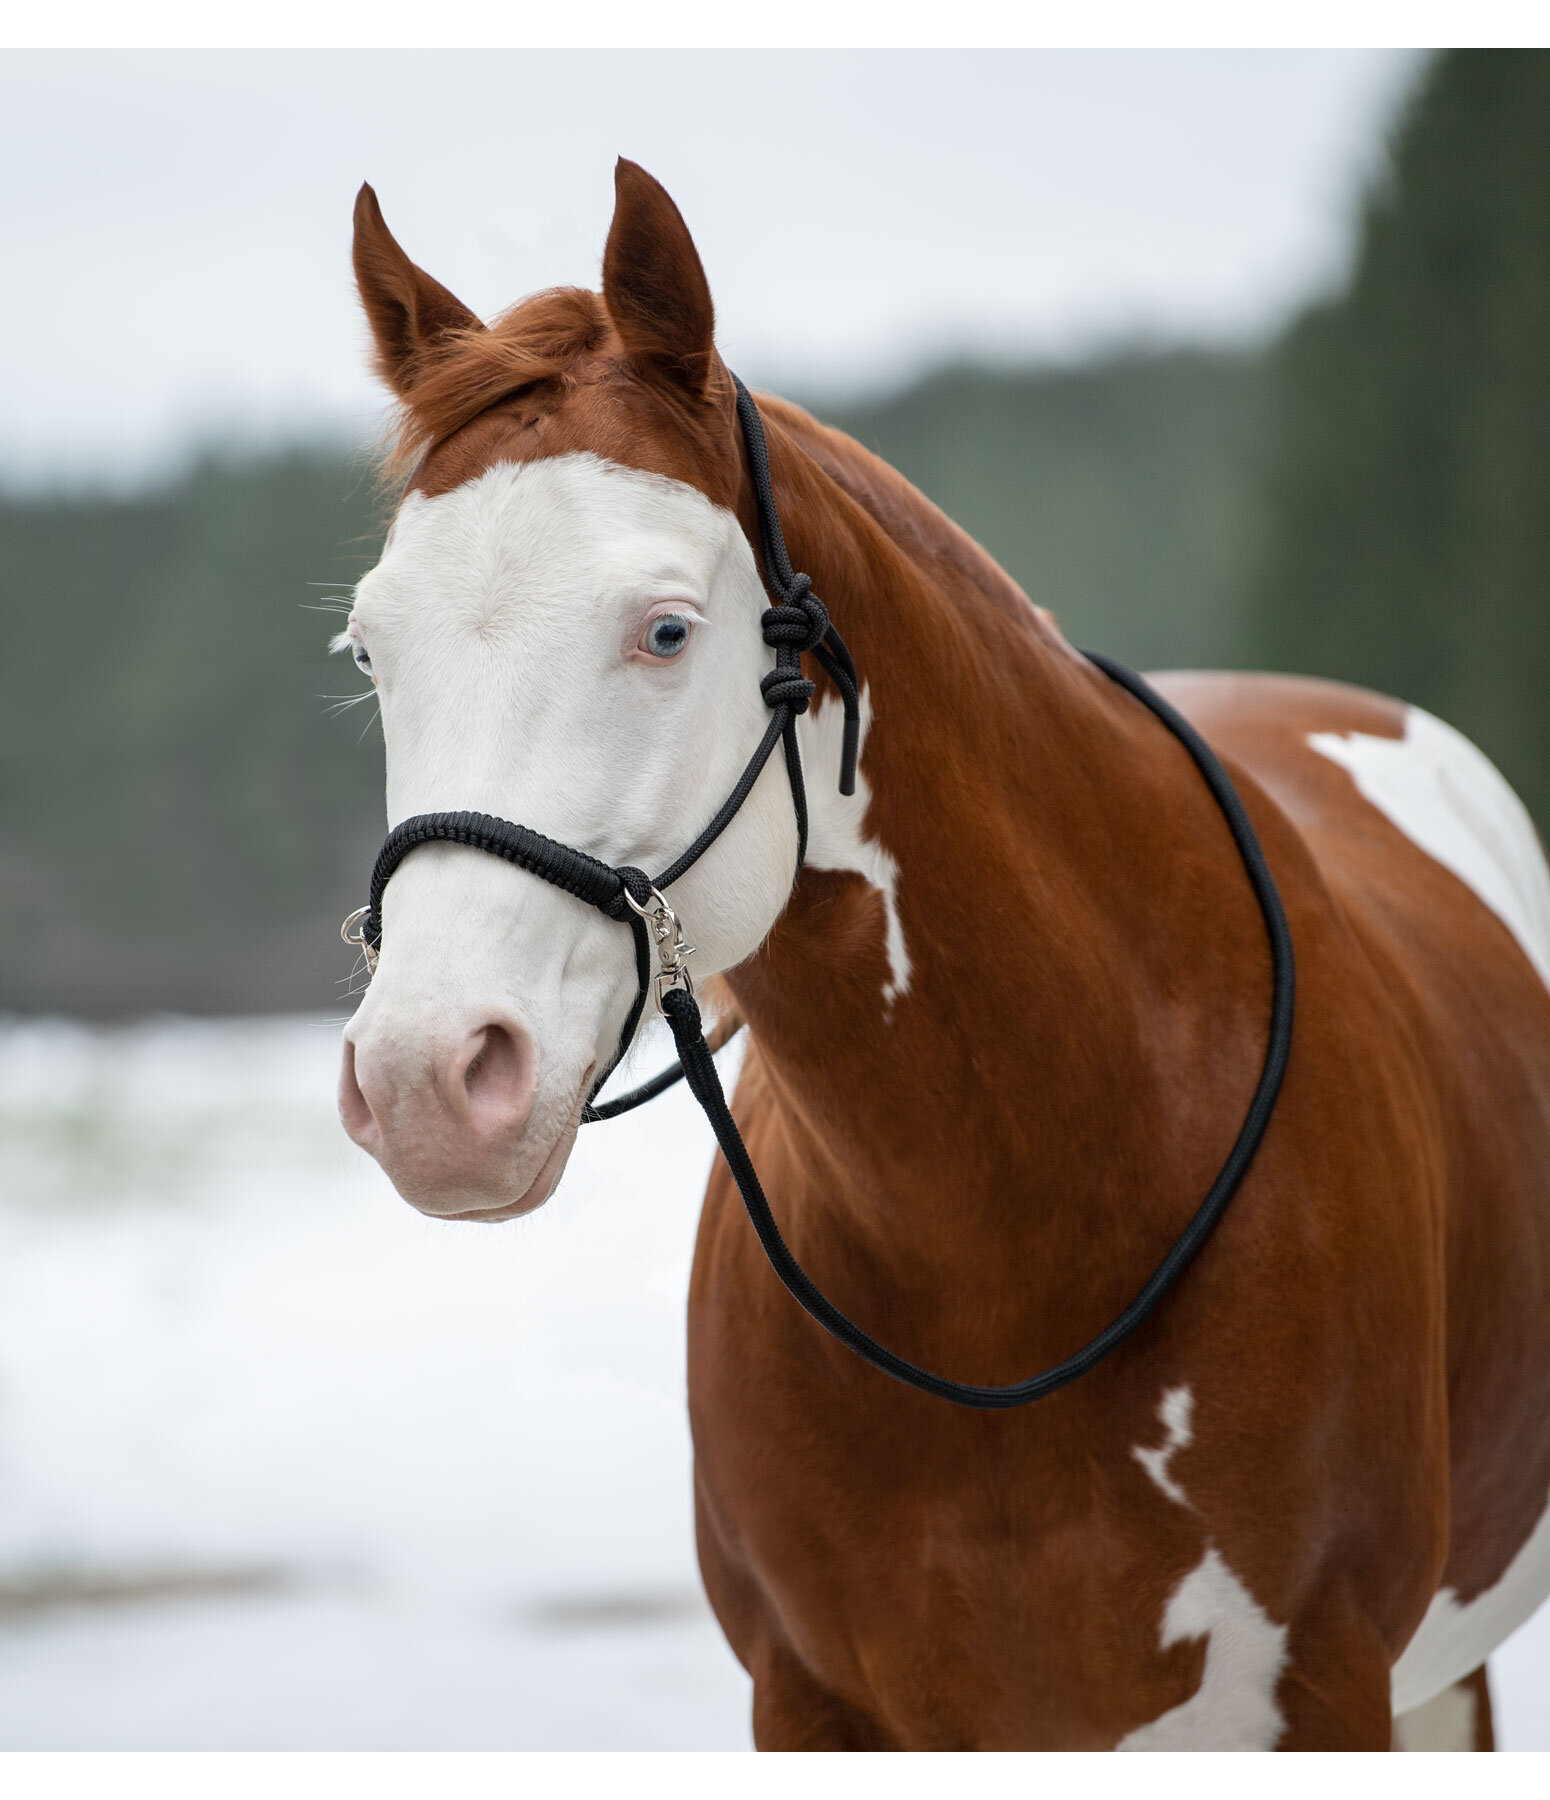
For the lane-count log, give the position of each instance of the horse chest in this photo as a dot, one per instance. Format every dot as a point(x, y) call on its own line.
point(1103, 1570)
point(956, 1594)
point(987, 1612)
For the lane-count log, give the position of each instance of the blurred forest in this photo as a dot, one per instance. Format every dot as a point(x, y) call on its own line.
point(182, 824)
point(1407, 488)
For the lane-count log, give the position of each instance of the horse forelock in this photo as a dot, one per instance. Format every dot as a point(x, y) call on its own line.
point(551, 377)
point(535, 343)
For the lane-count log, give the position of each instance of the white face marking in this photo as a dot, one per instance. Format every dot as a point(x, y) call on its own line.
point(1175, 1409)
point(1452, 1640)
point(835, 838)
point(1234, 1708)
point(1438, 789)
point(1446, 1722)
point(502, 627)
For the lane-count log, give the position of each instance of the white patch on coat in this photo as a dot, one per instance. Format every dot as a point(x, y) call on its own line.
point(1175, 1410)
point(836, 836)
point(1452, 1640)
point(1234, 1708)
point(1446, 797)
point(1446, 1722)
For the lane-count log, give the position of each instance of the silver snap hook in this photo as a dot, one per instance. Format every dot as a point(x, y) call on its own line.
point(671, 945)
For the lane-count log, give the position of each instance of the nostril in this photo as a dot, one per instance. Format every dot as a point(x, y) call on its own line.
point(355, 1112)
point(498, 1076)
point(476, 1068)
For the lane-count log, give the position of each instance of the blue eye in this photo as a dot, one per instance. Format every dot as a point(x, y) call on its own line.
point(666, 635)
point(362, 659)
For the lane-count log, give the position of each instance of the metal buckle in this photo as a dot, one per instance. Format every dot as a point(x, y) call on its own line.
point(671, 948)
point(353, 931)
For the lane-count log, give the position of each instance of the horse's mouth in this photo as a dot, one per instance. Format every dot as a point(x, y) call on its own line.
point(544, 1182)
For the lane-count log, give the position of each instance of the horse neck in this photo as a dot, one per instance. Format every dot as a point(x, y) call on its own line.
point(1087, 982)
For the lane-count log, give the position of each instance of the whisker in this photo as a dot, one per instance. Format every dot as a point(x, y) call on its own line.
point(347, 982)
point(341, 703)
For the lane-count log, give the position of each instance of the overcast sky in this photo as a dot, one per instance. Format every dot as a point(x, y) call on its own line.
point(176, 225)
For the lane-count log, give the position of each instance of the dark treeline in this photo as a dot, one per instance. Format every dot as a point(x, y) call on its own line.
point(182, 824)
point(1408, 481)
point(178, 815)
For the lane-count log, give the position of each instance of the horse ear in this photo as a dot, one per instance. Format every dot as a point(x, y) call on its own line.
point(410, 313)
point(653, 285)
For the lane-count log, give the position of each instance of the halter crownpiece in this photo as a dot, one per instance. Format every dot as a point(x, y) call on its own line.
point(797, 625)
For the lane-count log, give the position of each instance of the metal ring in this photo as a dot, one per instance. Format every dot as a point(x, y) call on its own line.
point(353, 931)
point(647, 912)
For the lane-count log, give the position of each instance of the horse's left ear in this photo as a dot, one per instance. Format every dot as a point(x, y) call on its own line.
point(653, 285)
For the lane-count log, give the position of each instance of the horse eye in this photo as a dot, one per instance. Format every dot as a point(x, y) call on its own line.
point(666, 635)
point(362, 657)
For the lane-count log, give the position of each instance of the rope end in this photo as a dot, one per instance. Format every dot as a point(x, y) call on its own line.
point(850, 751)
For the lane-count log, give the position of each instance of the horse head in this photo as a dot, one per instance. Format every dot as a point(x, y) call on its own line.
point(563, 629)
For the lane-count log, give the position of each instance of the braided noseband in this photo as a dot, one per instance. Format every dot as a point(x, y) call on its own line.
point(798, 624)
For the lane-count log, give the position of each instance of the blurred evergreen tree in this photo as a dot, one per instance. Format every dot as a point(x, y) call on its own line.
point(1407, 538)
point(1122, 494)
point(179, 816)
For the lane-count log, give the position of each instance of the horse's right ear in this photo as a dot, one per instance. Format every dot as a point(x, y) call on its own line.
point(410, 312)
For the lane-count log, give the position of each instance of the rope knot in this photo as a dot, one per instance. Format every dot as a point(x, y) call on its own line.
point(800, 621)
point(634, 882)
point(787, 687)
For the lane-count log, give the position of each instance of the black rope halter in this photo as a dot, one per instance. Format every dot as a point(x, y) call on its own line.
point(798, 624)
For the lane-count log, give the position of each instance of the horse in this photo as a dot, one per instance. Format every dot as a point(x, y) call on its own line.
point(999, 1034)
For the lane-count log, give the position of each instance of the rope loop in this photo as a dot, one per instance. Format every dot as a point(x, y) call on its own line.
point(634, 882)
point(787, 687)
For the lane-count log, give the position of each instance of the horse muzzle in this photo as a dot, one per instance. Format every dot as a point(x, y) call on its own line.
point(455, 1118)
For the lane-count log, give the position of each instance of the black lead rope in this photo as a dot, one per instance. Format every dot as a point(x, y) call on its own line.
point(683, 1014)
point(800, 623)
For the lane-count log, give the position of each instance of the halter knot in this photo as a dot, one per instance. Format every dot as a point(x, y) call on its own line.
point(801, 620)
point(787, 687)
point(634, 882)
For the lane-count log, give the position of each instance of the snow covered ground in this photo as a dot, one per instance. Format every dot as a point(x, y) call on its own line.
point(285, 1465)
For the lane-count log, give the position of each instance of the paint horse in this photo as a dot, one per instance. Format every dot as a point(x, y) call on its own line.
point(1000, 1036)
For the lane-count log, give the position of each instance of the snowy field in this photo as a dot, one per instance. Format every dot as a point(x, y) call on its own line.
point(284, 1465)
